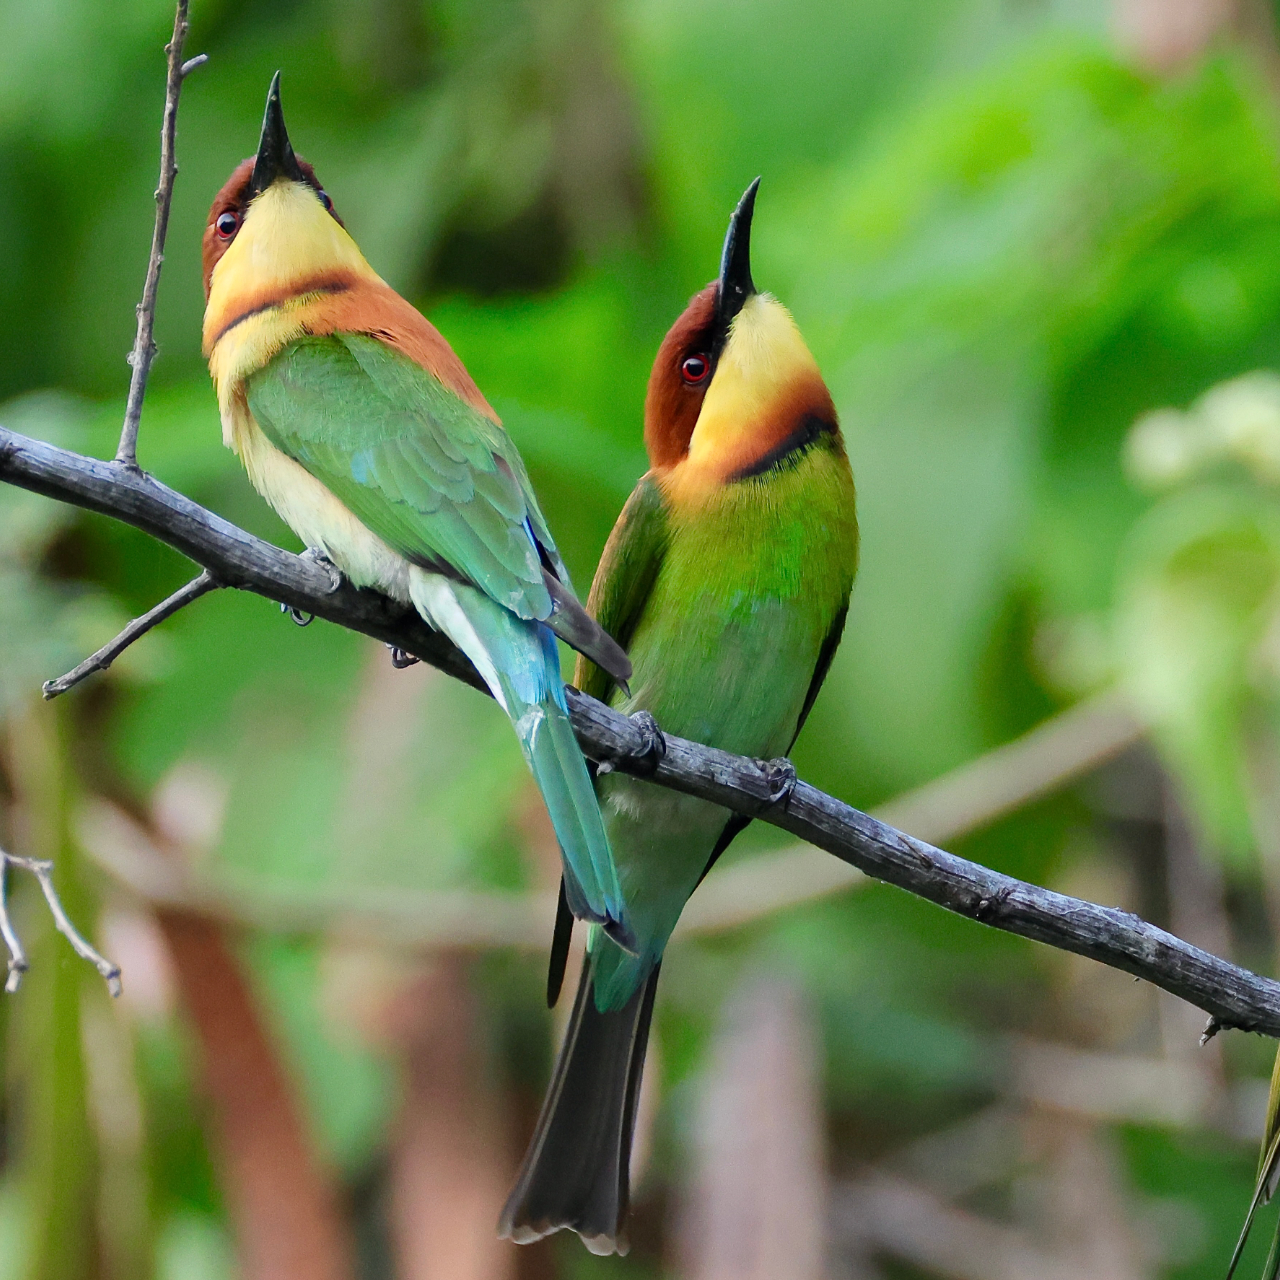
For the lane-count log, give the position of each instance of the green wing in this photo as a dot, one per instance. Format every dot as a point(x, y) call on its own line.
point(435, 479)
point(628, 569)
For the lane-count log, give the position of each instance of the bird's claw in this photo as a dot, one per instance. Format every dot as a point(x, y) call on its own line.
point(320, 558)
point(653, 746)
point(302, 619)
point(781, 776)
point(401, 658)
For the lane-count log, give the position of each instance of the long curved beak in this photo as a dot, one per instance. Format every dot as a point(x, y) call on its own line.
point(275, 157)
point(736, 285)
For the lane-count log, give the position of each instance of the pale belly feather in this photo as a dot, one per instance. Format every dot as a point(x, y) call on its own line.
point(314, 514)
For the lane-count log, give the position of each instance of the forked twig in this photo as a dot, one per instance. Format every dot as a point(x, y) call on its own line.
point(42, 869)
point(144, 347)
point(100, 661)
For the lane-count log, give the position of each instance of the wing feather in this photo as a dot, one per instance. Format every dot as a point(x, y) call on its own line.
point(625, 577)
point(431, 475)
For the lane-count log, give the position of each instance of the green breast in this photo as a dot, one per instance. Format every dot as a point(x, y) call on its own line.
point(724, 652)
point(753, 577)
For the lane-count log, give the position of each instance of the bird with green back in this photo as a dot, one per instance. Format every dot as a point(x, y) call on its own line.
point(727, 577)
point(357, 422)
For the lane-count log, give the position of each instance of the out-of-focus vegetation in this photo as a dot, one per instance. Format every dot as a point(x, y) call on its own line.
point(1011, 230)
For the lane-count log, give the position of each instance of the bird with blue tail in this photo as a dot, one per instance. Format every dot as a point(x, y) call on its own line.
point(357, 422)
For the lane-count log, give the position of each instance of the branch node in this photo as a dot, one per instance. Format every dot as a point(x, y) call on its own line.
point(1212, 1027)
point(192, 63)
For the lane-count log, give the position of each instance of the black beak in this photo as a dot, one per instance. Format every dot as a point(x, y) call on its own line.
point(275, 152)
point(736, 285)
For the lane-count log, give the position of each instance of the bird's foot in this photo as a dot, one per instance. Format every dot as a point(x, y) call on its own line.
point(319, 557)
point(653, 746)
point(781, 777)
point(401, 658)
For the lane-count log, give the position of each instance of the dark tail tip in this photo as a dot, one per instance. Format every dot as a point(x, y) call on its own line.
point(576, 1173)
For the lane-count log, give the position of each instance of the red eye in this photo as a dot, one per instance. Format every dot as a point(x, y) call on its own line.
point(694, 370)
point(227, 224)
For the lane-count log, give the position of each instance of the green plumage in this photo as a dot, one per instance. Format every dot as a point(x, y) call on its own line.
point(743, 591)
point(731, 604)
point(435, 479)
point(442, 485)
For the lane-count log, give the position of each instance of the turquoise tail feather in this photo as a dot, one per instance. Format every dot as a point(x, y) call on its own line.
point(519, 662)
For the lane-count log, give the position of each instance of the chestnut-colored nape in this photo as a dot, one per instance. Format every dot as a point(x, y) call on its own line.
point(672, 405)
point(231, 199)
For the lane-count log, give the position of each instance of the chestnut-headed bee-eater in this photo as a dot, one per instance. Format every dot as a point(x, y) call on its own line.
point(361, 427)
point(727, 576)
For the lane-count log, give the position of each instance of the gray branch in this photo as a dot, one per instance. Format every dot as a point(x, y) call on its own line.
point(144, 347)
point(42, 869)
point(100, 661)
point(767, 790)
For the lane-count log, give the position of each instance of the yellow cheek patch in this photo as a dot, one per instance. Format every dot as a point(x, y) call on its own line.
point(764, 375)
point(288, 239)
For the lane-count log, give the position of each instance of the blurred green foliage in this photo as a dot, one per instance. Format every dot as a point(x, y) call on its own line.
point(1004, 244)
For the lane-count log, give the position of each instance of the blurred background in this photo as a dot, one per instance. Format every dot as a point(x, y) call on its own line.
point(1035, 246)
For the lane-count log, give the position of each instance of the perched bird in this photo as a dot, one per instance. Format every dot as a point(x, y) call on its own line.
point(360, 426)
point(727, 576)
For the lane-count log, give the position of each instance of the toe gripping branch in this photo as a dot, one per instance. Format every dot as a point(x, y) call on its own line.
point(780, 774)
point(317, 557)
point(646, 758)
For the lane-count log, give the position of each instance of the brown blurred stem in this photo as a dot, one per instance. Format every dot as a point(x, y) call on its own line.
point(756, 788)
point(144, 347)
point(100, 661)
point(42, 869)
point(288, 1222)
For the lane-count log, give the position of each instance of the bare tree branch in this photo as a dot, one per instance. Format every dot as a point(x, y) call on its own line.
point(100, 661)
point(963, 800)
point(760, 789)
point(42, 869)
point(144, 347)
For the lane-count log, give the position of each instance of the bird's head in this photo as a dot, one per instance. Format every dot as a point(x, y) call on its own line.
point(272, 227)
point(733, 378)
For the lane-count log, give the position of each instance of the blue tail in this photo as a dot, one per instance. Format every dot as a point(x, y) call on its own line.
point(518, 660)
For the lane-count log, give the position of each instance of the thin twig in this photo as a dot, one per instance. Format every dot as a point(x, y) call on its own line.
point(1237, 997)
point(42, 869)
point(144, 347)
point(17, 956)
point(100, 661)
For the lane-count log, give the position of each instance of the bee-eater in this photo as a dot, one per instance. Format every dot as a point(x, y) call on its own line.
point(361, 427)
point(727, 576)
